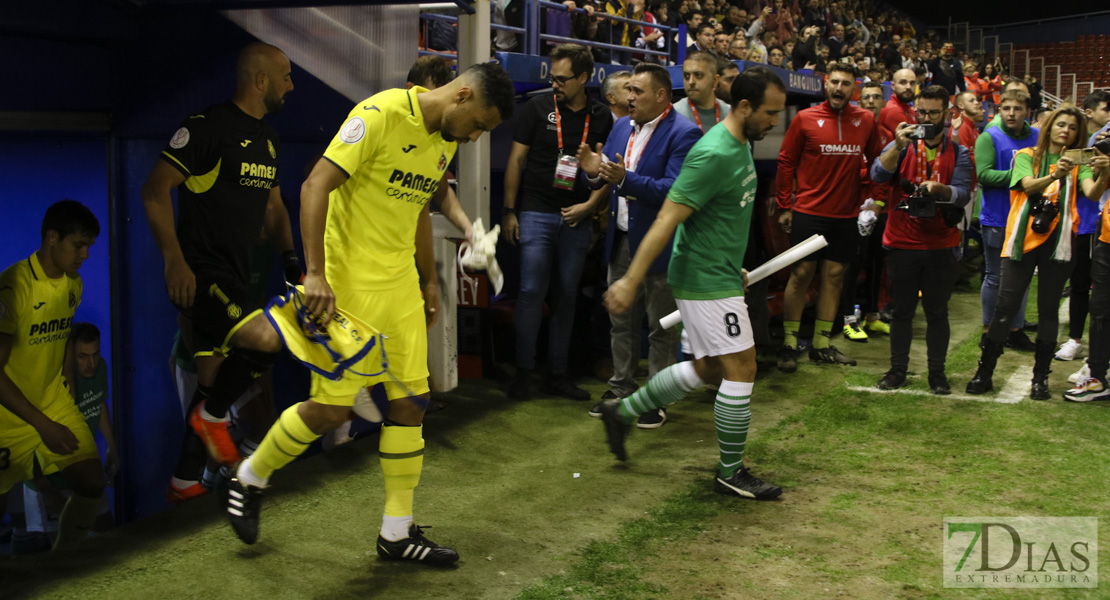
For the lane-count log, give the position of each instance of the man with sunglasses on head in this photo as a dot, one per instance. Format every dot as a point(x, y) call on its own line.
point(547, 212)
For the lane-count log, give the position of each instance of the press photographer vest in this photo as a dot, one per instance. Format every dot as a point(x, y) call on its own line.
point(911, 233)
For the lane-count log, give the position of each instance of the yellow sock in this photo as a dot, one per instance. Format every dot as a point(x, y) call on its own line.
point(286, 440)
point(76, 519)
point(790, 329)
point(402, 456)
point(822, 331)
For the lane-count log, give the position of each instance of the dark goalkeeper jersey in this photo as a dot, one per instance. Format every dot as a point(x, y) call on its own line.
point(229, 159)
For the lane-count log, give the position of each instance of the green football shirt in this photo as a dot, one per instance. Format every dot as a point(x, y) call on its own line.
point(718, 181)
point(91, 393)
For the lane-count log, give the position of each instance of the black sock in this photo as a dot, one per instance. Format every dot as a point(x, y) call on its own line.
point(235, 376)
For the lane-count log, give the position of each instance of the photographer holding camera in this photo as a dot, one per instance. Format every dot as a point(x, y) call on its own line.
point(921, 237)
point(1040, 230)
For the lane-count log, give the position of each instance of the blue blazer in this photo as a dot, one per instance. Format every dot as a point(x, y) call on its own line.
point(647, 187)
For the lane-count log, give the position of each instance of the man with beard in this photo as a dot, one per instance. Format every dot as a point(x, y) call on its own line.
point(922, 263)
point(700, 77)
point(224, 164)
point(822, 151)
point(553, 201)
point(367, 234)
point(728, 71)
point(947, 70)
point(634, 171)
point(710, 205)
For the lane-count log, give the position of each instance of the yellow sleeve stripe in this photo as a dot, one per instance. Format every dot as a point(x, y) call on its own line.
point(200, 184)
point(174, 159)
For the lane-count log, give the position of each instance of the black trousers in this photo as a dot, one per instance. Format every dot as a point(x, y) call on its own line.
point(933, 273)
point(871, 256)
point(1079, 300)
point(1100, 311)
point(1016, 277)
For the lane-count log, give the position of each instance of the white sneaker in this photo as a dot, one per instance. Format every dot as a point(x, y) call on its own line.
point(1081, 375)
point(1069, 350)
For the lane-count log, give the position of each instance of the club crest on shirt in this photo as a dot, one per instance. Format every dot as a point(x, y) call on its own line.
point(179, 139)
point(273, 151)
point(353, 130)
point(72, 300)
point(442, 162)
point(856, 122)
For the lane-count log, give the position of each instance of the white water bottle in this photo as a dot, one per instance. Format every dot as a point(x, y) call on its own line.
point(858, 314)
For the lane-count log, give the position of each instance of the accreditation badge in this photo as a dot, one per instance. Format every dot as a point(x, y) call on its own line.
point(566, 172)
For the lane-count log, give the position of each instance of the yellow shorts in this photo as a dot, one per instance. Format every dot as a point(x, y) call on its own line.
point(399, 314)
point(21, 445)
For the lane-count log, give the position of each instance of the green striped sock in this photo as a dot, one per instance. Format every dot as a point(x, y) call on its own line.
point(668, 386)
point(790, 328)
point(732, 413)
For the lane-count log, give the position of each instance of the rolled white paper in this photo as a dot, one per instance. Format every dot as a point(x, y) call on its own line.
point(776, 264)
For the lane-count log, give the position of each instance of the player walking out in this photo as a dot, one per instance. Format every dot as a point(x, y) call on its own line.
point(364, 214)
point(711, 201)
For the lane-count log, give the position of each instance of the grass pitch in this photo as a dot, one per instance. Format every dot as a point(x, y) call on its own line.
point(536, 506)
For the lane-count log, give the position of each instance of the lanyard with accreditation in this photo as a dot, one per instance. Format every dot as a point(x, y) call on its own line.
point(566, 170)
point(628, 164)
point(716, 113)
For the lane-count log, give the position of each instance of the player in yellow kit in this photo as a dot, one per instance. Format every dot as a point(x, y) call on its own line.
point(39, 420)
point(364, 216)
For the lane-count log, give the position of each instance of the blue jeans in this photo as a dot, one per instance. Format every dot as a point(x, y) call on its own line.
point(547, 242)
point(993, 240)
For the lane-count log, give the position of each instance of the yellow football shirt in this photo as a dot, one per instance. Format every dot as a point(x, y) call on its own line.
point(394, 166)
point(37, 312)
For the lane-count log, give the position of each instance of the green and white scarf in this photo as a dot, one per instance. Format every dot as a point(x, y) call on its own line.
point(1061, 236)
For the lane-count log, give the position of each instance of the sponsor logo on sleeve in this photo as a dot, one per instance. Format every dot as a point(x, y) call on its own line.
point(353, 130)
point(180, 138)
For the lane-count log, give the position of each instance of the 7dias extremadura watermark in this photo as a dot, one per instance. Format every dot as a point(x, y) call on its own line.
point(1021, 552)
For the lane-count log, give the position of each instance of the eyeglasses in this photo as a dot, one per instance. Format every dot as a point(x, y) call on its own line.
point(560, 80)
point(923, 114)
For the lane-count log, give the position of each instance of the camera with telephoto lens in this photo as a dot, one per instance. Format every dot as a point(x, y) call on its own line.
point(1103, 146)
point(1043, 213)
point(920, 206)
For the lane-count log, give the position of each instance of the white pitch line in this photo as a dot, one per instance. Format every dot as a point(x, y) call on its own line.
point(1011, 393)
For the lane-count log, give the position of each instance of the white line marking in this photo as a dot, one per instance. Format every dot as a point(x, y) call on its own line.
point(1011, 393)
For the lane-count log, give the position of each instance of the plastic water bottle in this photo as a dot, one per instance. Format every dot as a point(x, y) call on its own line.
point(858, 314)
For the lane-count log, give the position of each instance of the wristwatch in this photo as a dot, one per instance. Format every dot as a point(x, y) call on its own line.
point(508, 210)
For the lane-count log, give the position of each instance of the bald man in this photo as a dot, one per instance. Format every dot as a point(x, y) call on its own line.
point(224, 164)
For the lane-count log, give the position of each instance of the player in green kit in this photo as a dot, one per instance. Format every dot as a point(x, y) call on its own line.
point(710, 206)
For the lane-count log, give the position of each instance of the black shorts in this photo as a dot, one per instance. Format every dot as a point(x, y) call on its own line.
point(842, 235)
point(221, 303)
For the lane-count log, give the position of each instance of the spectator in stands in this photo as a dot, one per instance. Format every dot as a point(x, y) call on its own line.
point(909, 56)
point(648, 38)
point(758, 27)
point(735, 23)
point(763, 44)
point(700, 78)
point(728, 71)
point(721, 42)
point(805, 54)
point(507, 12)
point(739, 48)
point(551, 206)
point(1041, 174)
point(947, 70)
point(994, 152)
point(704, 43)
point(780, 20)
point(776, 57)
point(693, 22)
point(614, 89)
point(836, 42)
point(1035, 89)
point(921, 249)
point(661, 10)
point(823, 163)
point(643, 171)
point(1095, 108)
